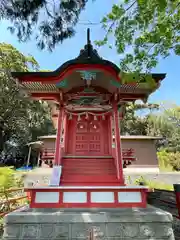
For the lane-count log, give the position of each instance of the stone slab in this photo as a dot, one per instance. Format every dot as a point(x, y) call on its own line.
point(136, 223)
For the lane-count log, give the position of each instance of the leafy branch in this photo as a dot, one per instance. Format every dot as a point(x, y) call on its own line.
point(150, 30)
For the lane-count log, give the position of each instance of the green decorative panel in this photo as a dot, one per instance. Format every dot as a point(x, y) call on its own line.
point(89, 90)
point(115, 83)
point(62, 84)
point(84, 101)
point(88, 75)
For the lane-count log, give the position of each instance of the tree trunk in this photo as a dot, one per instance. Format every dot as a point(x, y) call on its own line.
point(1, 141)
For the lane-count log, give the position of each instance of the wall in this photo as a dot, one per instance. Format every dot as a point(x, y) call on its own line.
point(145, 152)
point(48, 143)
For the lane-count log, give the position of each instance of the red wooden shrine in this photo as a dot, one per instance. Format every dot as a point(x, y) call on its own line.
point(91, 102)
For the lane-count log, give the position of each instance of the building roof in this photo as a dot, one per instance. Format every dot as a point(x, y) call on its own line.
point(133, 137)
point(47, 137)
point(88, 60)
point(141, 137)
point(87, 56)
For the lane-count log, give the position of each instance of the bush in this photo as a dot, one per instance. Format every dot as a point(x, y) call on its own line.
point(9, 179)
point(169, 161)
point(174, 159)
point(152, 184)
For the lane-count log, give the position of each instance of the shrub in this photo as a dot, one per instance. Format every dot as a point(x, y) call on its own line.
point(8, 179)
point(163, 159)
point(169, 160)
point(151, 184)
point(174, 159)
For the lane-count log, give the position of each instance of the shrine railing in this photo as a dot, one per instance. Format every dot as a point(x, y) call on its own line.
point(128, 154)
point(48, 152)
point(11, 200)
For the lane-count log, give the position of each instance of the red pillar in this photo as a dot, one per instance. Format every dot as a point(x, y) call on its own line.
point(65, 131)
point(118, 153)
point(57, 159)
point(177, 192)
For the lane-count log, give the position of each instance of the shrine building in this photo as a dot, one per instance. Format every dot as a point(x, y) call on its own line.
point(139, 153)
point(88, 159)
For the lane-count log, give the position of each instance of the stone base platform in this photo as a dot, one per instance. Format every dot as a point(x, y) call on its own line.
point(60, 224)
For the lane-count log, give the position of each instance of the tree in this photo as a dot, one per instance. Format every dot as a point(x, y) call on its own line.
point(143, 31)
point(20, 117)
point(133, 123)
point(51, 21)
point(169, 160)
point(167, 124)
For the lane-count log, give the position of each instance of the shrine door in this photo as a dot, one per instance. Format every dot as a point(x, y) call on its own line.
point(88, 137)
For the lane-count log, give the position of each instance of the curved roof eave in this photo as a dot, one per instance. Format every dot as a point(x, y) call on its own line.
point(87, 56)
point(57, 72)
point(63, 67)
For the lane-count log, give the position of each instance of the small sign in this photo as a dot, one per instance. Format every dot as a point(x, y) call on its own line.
point(56, 174)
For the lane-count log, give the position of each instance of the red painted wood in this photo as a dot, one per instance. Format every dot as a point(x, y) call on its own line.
point(89, 171)
point(55, 96)
point(177, 192)
point(53, 79)
point(58, 138)
point(127, 154)
point(88, 204)
point(88, 137)
point(118, 149)
point(65, 132)
point(45, 96)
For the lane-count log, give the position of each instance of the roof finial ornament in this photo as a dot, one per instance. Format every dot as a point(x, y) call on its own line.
point(88, 43)
point(88, 36)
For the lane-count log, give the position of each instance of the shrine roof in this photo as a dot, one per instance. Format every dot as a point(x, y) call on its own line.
point(76, 73)
point(88, 57)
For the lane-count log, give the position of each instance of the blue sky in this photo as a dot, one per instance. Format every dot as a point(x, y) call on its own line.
point(170, 88)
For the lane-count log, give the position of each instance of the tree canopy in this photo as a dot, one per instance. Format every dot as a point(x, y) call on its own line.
point(144, 30)
point(134, 124)
point(21, 118)
point(158, 121)
point(50, 21)
point(167, 124)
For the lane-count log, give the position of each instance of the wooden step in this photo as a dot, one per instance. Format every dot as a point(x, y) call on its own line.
point(84, 171)
point(87, 157)
point(89, 172)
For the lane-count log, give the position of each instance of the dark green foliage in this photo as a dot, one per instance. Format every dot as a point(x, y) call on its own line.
point(157, 121)
point(133, 124)
point(51, 21)
point(144, 30)
point(167, 124)
point(21, 119)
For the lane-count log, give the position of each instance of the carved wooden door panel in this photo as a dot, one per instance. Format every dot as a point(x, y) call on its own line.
point(81, 138)
point(88, 138)
point(95, 143)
